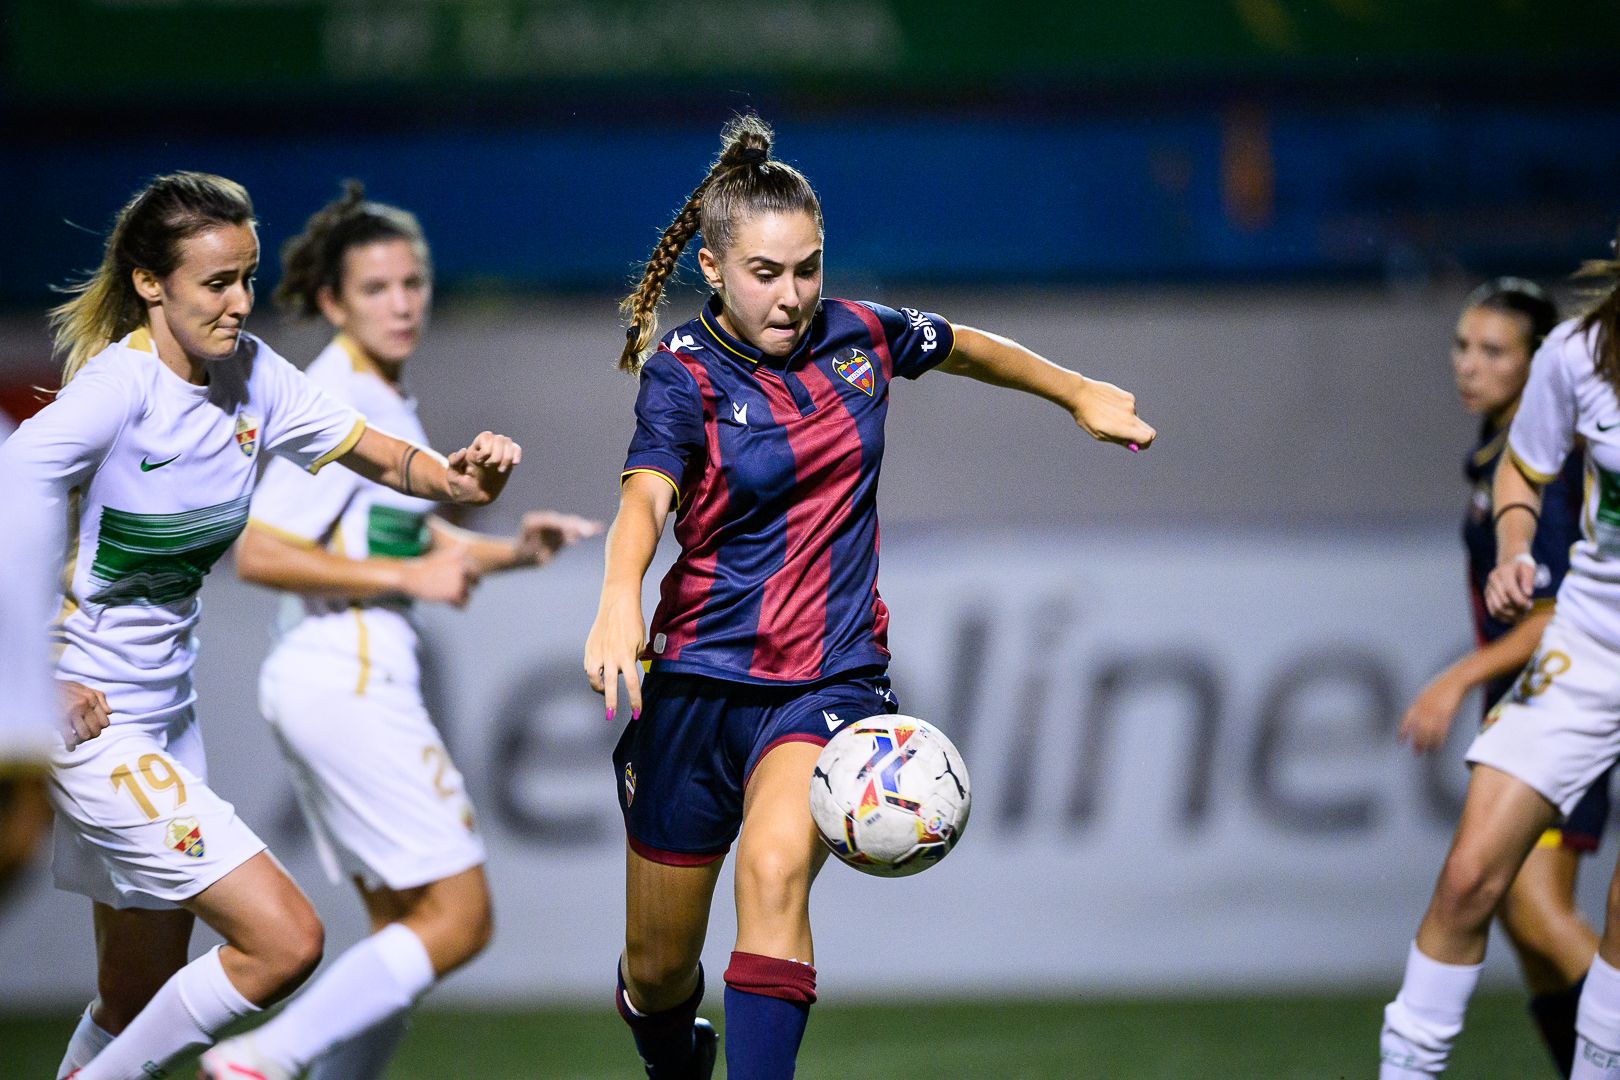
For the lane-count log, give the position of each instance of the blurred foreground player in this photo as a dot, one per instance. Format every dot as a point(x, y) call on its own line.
point(151, 452)
point(1558, 730)
point(31, 552)
point(1502, 324)
point(760, 422)
point(342, 687)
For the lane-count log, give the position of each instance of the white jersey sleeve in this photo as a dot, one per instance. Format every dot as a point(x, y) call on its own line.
point(61, 447)
point(1543, 431)
point(300, 507)
point(304, 424)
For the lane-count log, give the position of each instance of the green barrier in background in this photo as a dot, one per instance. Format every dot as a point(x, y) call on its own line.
point(59, 51)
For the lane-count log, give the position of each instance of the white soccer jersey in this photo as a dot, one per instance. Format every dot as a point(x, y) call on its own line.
point(155, 475)
point(1565, 398)
point(353, 643)
point(30, 549)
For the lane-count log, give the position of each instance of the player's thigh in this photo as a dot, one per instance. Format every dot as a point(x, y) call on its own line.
point(259, 909)
point(778, 856)
point(1501, 821)
point(666, 915)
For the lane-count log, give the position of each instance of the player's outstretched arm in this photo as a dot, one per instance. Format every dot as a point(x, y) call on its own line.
point(267, 556)
point(1103, 410)
point(541, 534)
point(619, 632)
point(1429, 717)
point(1510, 589)
point(473, 475)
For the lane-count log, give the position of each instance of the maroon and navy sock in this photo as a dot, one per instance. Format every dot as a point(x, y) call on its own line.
point(663, 1039)
point(1554, 1014)
point(767, 1006)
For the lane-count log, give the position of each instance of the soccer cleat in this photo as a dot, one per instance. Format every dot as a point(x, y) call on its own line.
point(705, 1048)
point(238, 1059)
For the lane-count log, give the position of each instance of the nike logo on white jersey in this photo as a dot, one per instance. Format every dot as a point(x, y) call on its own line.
point(832, 720)
point(677, 343)
point(739, 414)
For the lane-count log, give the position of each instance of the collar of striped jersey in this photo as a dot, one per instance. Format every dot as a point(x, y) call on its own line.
point(709, 323)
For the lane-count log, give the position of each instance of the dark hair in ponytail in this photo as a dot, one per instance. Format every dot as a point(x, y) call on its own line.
point(146, 235)
point(1522, 297)
point(313, 259)
point(1602, 318)
point(743, 180)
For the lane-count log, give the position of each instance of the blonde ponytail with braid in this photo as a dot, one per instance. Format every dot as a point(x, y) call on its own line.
point(742, 180)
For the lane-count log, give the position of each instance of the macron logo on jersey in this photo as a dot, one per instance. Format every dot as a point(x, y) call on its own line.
point(832, 720)
point(677, 343)
point(739, 414)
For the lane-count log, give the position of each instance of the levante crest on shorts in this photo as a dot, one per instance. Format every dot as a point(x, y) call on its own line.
point(629, 784)
point(247, 433)
point(855, 367)
point(185, 836)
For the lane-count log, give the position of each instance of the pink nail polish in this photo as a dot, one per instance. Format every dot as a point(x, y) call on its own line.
point(635, 714)
point(1134, 448)
point(610, 716)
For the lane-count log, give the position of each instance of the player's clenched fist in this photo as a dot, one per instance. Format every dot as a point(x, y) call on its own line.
point(1510, 589)
point(1107, 413)
point(476, 473)
point(85, 713)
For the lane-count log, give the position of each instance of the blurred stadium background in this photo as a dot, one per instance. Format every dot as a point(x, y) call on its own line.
point(1197, 849)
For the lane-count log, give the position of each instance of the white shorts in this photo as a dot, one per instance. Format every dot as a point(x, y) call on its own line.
point(376, 784)
point(1559, 727)
point(136, 823)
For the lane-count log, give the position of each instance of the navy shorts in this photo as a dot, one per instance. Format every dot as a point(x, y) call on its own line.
point(683, 766)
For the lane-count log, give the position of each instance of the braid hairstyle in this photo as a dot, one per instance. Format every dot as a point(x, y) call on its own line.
point(146, 235)
point(742, 180)
point(1602, 317)
point(313, 260)
point(1522, 297)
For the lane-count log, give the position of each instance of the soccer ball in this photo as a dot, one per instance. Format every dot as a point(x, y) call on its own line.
point(890, 795)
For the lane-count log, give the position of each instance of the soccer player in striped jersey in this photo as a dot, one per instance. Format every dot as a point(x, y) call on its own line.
point(760, 424)
point(342, 686)
point(1502, 324)
point(1558, 729)
point(151, 450)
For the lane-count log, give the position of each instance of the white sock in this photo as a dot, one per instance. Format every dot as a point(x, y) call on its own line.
point(186, 1013)
point(1425, 1018)
point(89, 1039)
point(1597, 1025)
point(377, 978)
point(364, 1057)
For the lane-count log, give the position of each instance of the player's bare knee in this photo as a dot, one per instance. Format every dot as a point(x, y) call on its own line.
point(658, 971)
point(774, 880)
point(1468, 891)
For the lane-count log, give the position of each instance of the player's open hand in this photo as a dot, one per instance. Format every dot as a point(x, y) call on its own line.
point(614, 649)
point(1107, 413)
point(1510, 590)
point(85, 713)
point(543, 533)
point(1428, 719)
point(445, 575)
point(476, 473)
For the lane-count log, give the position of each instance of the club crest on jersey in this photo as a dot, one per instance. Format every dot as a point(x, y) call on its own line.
point(855, 368)
point(185, 836)
point(247, 434)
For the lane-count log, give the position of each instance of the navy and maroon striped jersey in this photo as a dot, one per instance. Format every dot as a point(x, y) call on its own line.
point(775, 467)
